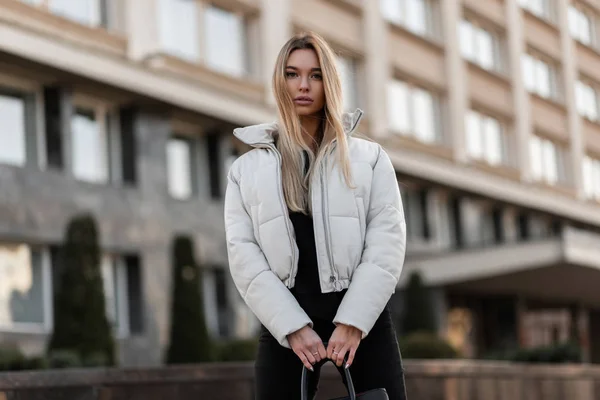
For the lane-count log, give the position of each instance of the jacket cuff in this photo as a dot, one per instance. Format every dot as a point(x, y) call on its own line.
point(369, 292)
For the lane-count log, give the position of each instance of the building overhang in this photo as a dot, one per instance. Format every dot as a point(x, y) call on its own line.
point(565, 267)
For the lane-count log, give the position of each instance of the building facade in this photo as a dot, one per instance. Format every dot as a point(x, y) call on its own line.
point(489, 110)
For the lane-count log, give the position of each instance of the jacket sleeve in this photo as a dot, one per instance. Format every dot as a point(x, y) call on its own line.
point(265, 294)
point(375, 279)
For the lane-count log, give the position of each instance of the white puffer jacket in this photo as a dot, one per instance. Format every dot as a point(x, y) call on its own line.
point(360, 233)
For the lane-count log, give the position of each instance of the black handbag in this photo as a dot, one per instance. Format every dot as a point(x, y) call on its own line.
point(374, 394)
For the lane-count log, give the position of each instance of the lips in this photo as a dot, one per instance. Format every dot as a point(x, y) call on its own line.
point(303, 100)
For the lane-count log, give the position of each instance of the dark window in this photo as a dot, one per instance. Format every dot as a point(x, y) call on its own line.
point(523, 226)
point(214, 164)
point(128, 146)
point(53, 103)
point(455, 213)
point(497, 215)
point(135, 293)
point(423, 204)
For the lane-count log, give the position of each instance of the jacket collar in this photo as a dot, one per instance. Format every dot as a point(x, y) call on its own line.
point(255, 135)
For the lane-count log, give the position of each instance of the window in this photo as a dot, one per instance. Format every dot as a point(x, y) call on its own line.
point(178, 28)
point(121, 276)
point(224, 33)
point(89, 146)
point(179, 167)
point(485, 138)
point(182, 24)
point(587, 100)
point(479, 223)
point(541, 8)
point(413, 14)
point(412, 111)
point(25, 294)
point(414, 201)
point(348, 74)
point(479, 45)
point(12, 130)
point(591, 177)
point(581, 25)
point(88, 12)
point(546, 161)
point(539, 76)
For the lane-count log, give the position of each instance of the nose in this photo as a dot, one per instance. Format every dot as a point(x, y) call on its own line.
point(304, 84)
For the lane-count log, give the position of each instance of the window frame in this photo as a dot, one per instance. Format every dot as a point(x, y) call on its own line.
point(411, 132)
point(118, 266)
point(476, 27)
point(32, 93)
point(562, 173)
point(548, 12)
point(101, 110)
point(585, 83)
point(592, 17)
point(429, 30)
point(482, 119)
point(105, 13)
point(249, 68)
point(47, 325)
point(555, 94)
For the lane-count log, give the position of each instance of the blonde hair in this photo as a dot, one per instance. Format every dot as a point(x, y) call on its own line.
point(290, 143)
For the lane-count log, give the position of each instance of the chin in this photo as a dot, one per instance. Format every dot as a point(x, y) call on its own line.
point(307, 111)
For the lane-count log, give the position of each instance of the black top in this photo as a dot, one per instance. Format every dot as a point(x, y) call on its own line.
point(307, 288)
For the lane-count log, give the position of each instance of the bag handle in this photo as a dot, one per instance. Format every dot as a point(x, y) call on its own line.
point(304, 381)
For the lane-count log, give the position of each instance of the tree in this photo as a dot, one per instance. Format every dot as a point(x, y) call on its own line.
point(189, 341)
point(419, 313)
point(80, 322)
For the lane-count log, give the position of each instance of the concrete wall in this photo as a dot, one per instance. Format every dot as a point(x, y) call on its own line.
point(36, 205)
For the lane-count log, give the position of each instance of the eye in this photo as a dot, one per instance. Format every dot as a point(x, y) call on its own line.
point(290, 74)
point(317, 76)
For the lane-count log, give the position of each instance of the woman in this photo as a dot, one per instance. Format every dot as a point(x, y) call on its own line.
point(316, 233)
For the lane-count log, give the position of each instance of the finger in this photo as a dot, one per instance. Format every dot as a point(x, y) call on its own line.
point(334, 355)
point(330, 350)
point(322, 351)
point(351, 355)
point(309, 356)
point(341, 356)
point(304, 361)
point(314, 354)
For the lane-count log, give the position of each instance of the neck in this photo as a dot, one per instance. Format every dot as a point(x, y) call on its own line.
point(310, 130)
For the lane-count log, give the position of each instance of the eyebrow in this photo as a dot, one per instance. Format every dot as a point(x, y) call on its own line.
point(317, 69)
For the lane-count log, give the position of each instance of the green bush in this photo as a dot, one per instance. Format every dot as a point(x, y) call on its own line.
point(11, 359)
point(418, 310)
point(426, 345)
point(553, 354)
point(80, 321)
point(189, 340)
point(58, 359)
point(236, 350)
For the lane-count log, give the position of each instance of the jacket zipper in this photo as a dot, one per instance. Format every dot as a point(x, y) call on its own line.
point(334, 272)
point(285, 213)
point(325, 214)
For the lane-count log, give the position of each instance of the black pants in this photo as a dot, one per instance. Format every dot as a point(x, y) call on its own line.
point(377, 364)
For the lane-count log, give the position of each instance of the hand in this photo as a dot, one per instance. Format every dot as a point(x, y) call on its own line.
point(308, 346)
point(345, 339)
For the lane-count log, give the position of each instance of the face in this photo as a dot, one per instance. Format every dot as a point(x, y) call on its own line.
point(305, 82)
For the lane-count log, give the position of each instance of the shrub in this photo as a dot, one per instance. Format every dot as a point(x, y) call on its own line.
point(80, 321)
point(58, 359)
point(236, 350)
point(418, 310)
point(11, 359)
point(189, 340)
point(426, 345)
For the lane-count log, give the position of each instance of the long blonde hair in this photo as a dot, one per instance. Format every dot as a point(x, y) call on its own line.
point(290, 143)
